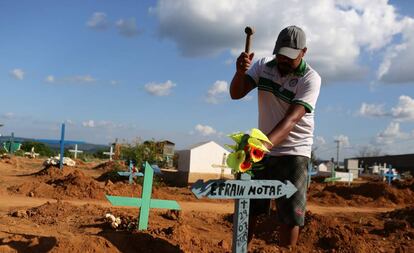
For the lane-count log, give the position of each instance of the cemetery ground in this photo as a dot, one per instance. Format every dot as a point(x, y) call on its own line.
point(52, 210)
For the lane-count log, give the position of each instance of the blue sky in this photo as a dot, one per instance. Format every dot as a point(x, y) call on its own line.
point(161, 69)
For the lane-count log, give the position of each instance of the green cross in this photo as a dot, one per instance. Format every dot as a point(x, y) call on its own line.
point(145, 202)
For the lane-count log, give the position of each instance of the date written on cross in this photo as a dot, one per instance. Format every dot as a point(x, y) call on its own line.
point(240, 189)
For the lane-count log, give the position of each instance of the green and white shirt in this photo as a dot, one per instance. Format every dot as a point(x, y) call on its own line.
point(277, 93)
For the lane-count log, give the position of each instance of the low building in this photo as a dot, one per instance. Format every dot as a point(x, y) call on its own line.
point(205, 161)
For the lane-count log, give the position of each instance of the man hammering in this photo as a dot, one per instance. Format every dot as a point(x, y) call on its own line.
point(288, 89)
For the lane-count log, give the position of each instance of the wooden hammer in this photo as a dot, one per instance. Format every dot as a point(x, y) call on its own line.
point(249, 32)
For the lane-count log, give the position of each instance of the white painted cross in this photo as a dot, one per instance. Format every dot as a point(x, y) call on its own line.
point(76, 151)
point(31, 154)
point(110, 153)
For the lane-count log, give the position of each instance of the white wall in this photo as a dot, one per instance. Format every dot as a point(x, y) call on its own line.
point(345, 176)
point(203, 157)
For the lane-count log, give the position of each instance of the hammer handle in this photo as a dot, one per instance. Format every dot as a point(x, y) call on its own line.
point(248, 42)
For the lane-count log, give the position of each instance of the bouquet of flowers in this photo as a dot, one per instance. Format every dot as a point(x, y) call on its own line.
point(248, 151)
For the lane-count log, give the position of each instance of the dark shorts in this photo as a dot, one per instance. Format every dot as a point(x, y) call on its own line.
point(293, 168)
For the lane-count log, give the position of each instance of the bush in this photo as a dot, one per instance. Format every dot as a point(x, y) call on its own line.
point(40, 148)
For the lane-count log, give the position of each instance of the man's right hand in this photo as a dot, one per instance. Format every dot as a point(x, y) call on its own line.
point(243, 62)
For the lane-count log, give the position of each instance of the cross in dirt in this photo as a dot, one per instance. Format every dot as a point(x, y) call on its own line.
point(145, 202)
point(61, 143)
point(242, 191)
point(131, 173)
point(390, 174)
point(76, 151)
point(110, 153)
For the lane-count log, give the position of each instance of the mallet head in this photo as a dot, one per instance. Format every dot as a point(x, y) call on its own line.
point(248, 30)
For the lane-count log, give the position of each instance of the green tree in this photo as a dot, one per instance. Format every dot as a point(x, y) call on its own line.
point(40, 148)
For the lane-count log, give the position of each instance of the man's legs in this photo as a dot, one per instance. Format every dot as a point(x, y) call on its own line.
point(258, 206)
point(288, 235)
point(291, 212)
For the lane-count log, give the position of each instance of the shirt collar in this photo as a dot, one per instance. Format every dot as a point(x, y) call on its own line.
point(299, 71)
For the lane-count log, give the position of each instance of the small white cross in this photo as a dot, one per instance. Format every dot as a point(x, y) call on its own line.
point(110, 153)
point(76, 151)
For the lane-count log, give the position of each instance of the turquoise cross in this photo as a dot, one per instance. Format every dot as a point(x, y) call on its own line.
point(130, 173)
point(145, 202)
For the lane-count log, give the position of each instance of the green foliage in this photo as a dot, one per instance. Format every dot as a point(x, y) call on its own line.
point(19, 153)
point(99, 154)
point(40, 148)
point(147, 151)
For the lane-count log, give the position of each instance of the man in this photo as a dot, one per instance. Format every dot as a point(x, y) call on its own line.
point(287, 92)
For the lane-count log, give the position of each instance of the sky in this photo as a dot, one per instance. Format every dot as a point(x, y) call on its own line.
point(139, 70)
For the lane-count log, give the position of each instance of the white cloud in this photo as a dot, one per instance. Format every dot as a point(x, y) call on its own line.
point(98, 21)
point(391, 134)
point(205, 130)
point(89, 123)
point(127, 27)
point(101, 124)
point(8, 115)
point(398, 59)
point(70, 122)
point(77, 79)
point(17, 74)
point(337, 31)
point(343, 140)
point(50, 79)
point(320, 141)
point(216, 92)
point(82, 79)
point(372, 110)
point(404, 111)
point(160, 89)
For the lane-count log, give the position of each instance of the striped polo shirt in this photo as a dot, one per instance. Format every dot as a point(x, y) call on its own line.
point(277, 93)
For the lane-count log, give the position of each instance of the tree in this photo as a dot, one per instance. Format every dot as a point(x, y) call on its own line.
point(40, 148)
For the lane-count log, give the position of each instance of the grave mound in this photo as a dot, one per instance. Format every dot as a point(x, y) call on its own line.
point(377, 194)
point(60, 184)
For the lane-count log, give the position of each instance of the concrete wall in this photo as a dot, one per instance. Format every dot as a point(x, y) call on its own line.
point(206, 158)
point(345, 176)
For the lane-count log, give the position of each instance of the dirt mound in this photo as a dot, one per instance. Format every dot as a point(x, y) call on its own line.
point(111, 165)
point(327, 233)
point(60, 184)
point(5, 158)
point(404, 184)
point(59, 212)
point(367, 194)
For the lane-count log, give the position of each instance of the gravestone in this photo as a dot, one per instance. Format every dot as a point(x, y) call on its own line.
point(242, 191)
point(145, 202)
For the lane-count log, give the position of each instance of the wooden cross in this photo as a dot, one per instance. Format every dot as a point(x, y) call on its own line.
point(333, 177)
point(131, 173)
point(61, 142)
point(145, 202)
point(389, 175)
point(76, 151)
point(242, 191)
point(110, 153)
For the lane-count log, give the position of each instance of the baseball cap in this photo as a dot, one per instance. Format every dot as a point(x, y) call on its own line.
point(290, 42)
